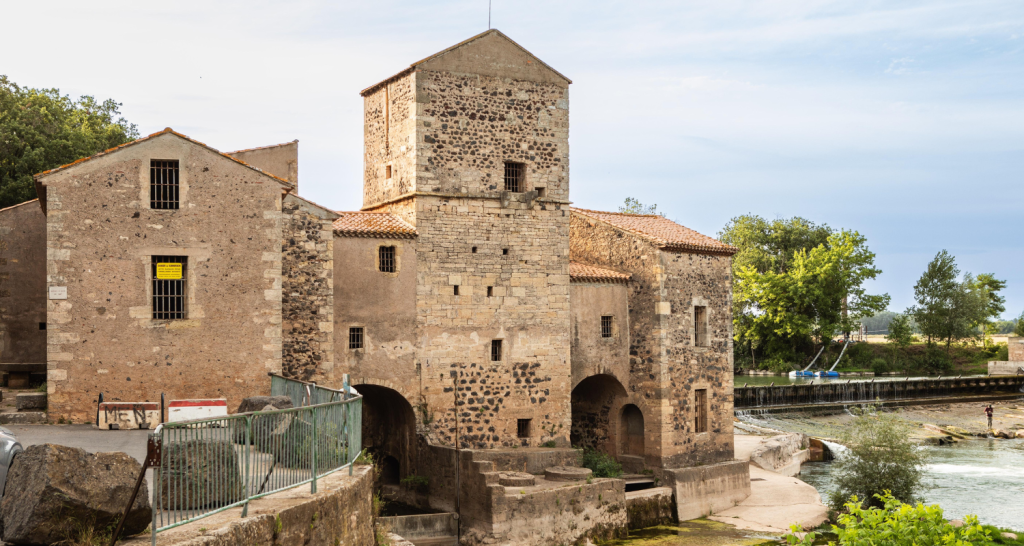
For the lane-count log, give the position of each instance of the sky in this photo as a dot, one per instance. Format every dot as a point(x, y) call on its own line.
point(902, 120)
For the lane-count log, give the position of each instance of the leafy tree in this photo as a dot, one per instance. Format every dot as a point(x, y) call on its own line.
point(821, 292)
point(633, 206)
point(901, 335)
point(949, 309)
point(898, 524)
point(1019, 327)
point(41, 129)
point(880, 459)
point(993, 304)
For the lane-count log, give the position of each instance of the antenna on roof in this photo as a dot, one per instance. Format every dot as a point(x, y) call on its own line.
point(488, 14)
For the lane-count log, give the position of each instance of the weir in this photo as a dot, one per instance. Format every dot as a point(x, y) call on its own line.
point(859, 392)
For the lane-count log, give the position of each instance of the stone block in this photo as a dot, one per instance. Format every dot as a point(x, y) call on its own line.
point(53, 490)
point(23, 418)
point(200, 474)
point(31, 401)
point(567, 473)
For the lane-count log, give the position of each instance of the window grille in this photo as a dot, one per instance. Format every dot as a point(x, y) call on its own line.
point(606, 326)
point(169, 294)
point(701, 410)
point(700, 326)
point(163, 184)
point(515, 177)
point(523, 428)
point(355, 338)
point(387, 259)
point(495, 350)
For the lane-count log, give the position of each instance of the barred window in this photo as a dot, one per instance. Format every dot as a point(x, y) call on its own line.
point(355, 338)
point(523, 428)
point(170, 273)
point(700, 326)
point(700, 410)
point(606, 326)
point(163, 184)
point(387, 259)
point(495, 350)
point(515, 177)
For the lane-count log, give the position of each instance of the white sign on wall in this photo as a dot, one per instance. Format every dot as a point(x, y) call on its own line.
point(58, 292)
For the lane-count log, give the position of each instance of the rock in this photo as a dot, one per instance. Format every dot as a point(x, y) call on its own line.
point(23, 418)
point(566, 473)
point(777, 452)
point(31, 401)
point(1019, 434)
point(1000, 433)
point(956, 522)
point(259, 403)
point(1011, 536)
point(54, 492)
point(199, 474)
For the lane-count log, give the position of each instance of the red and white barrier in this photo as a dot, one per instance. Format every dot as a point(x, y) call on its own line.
point(128, 415)
point(186, 410)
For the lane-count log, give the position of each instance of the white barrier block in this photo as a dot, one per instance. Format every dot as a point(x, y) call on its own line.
point(128, 415)
point(187, 410)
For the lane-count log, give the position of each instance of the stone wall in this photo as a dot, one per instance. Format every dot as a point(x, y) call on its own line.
point(281, 160)
point(101, 238)
point(389, 139)
point(1016, 349)
point(307, 297)
point(591, 353)
point(23, 286)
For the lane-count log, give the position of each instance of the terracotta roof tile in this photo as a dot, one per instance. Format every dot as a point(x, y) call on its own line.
point(373, 224)
point(165, 131)
point(591, 273)
point(661, 231)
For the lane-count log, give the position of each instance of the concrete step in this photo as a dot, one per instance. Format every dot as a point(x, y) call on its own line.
point(23, 418)
point(434, 541)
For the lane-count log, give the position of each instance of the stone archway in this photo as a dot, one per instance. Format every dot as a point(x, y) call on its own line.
point(592, 419)
point(632, 431)
point(389, 430)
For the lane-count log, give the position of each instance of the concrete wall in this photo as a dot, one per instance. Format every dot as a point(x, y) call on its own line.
point(101, 237)
point(23, 286)
point(1005, 367)
point(1016, 348)
point(665, 366)
point(281, 160)
point(712, 488)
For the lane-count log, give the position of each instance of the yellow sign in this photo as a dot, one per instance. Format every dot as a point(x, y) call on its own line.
point(168, 272)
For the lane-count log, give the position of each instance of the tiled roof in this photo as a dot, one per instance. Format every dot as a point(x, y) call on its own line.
point(373, 224)
point(591, 273)
point(165, 131)
point(661, 231)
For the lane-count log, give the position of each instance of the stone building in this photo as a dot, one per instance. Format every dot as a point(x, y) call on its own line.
point(489, 325)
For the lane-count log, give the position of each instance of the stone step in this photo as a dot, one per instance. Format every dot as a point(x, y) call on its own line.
point(23, 418)
point(30, 401)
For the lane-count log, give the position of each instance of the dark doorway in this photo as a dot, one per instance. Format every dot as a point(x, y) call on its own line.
point(389, 431)
point(592, 402)
point(632, 427)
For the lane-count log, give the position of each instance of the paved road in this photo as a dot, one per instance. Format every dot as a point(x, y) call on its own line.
point(93, 440)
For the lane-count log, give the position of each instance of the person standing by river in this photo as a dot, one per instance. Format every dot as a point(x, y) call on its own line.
point(988, 412)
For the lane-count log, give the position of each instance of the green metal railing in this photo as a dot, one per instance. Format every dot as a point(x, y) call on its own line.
point(206, 466)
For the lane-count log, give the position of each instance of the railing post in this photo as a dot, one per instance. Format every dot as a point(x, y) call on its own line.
point(247, 453)
point(313, 446)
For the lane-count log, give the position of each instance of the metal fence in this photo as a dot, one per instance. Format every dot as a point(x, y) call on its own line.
point(206, 466)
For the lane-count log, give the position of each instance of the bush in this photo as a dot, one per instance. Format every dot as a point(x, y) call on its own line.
point(1003, 353)
point(880, 459)
point(936, 360)
point(602, 464)
point(898, 524)
point(776, 364)
point(880, 365)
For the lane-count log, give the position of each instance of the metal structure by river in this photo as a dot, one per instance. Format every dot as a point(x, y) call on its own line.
point(863, 392)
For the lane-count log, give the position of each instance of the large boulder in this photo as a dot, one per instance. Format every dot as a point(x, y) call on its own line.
point(55, 493)
point(198, 474)
point(261, 425)
point(259, 403)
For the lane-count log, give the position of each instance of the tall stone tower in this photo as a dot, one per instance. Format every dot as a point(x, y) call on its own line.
point(470, 146)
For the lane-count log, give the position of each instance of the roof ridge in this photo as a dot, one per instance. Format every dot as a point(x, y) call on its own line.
point(620, 213)
point(166, 130)
point(659, 230)
point(19, 204)
point(296, 141)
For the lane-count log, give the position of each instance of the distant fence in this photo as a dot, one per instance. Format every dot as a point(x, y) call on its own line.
point(206, 466)
point(859, 392)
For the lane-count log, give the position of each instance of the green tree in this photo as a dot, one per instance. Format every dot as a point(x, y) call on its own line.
point(901, 335)
point(634, 206)
point(41, 129)
point(988, 287)
point(1018, 328)
point(821, 292)
point(898, 524)
point(949, 309)
point(880, 458)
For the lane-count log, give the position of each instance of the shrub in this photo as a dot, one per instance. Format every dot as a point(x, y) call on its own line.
point(1003, 352)
point(776, 364)
point(602, 464)
point(880, 365)
point(898, 524)
point(880, 459)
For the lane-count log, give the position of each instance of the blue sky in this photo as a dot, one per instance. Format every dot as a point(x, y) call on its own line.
point(902, 120)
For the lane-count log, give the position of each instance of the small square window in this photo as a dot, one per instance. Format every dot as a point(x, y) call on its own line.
point(700, 326)
point(515, 177)
point(606, 326)
point(542, 192)
point(474, 250)
point(387, 259)
point(456, 290)
point(42, 325)
point(490, 291)
point(495, 350)
point(504, 252)
point(163, 184)
point(355, 338)
point(387, 171)
point(523, 428)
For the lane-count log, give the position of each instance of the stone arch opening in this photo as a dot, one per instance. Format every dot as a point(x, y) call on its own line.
point(632, 426)
point(389, 431)
point(592, 402)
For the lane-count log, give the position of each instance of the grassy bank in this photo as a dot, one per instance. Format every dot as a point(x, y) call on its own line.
point(879, 358)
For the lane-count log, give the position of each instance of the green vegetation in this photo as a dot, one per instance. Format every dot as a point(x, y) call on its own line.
point(417, 482)
point(901, 336)
point(41, 129)
point(894, 523)
point(880, 460)
point(633, 206)
point(603, 465)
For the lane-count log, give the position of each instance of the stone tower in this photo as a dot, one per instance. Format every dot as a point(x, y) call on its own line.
point(470, 146)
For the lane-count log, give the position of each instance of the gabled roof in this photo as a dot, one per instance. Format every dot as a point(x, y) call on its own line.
point(296, 141)
point(145, 138)
point(464, 43)
point(20, 204)
point(373, 224)
point(579, 272)
point(660, 230)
